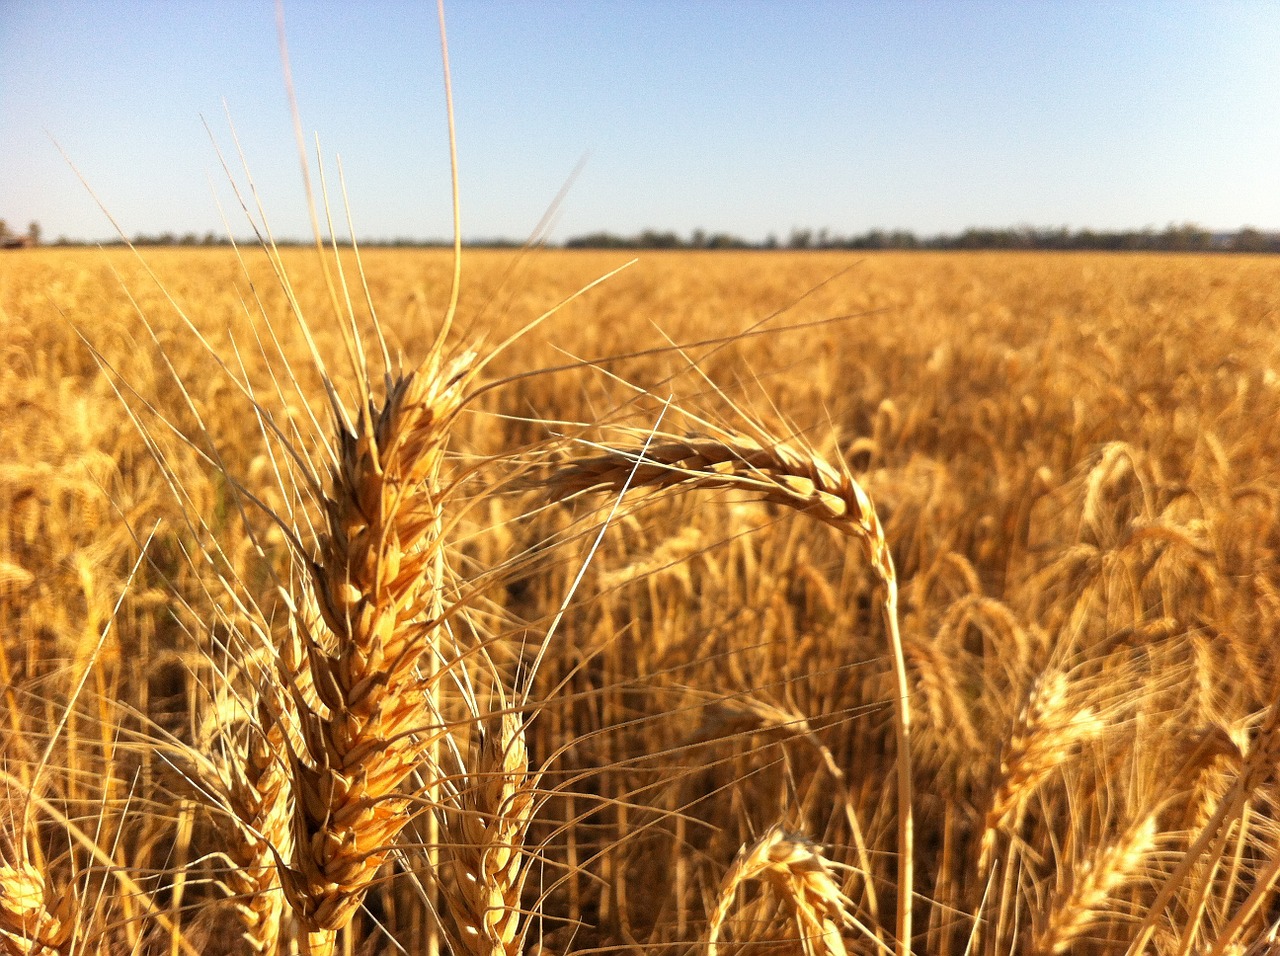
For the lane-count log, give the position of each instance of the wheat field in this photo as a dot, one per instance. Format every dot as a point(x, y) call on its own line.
point(749, 603)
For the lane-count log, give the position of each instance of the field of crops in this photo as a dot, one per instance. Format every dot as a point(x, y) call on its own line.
point(326, 633)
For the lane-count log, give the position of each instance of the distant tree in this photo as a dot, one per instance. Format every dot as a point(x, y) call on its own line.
point(1187, 237)
point(652, 239)
point(1249, 239)
point(4, 230)
point(33, 233)
point(800, 239)
point(597, 240)
point(725, 240)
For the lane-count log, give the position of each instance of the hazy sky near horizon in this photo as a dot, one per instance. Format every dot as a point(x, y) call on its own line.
point(747, 117)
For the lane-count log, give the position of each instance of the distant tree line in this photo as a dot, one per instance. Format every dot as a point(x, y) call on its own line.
point(652, 239)
point(1186, 237)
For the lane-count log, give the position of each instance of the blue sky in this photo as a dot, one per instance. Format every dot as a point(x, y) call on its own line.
point(747, 117)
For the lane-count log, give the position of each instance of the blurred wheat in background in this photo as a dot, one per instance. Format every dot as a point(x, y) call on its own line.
point(330, 625)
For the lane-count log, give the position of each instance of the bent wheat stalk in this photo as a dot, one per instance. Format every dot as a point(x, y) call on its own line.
point(804, 482)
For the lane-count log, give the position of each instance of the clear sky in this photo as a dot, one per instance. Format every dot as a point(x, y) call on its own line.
point(748, 117)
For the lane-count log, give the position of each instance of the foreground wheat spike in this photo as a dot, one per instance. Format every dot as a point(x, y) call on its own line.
point(372, 656)
point(483, 829)
point(804, 482)
point(795, 868)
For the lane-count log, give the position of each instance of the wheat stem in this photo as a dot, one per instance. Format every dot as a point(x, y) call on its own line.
point(806, 483)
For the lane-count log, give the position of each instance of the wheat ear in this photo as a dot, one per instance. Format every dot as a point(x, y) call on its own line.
point(1112, 866)
point(802, 481)
point(257, 790)
point(377, 580)
point(28, 924)
point(31, 924)
point(795, 868)
point(1047, 731)
point(483, 826)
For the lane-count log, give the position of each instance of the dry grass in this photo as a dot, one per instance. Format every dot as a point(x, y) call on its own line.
point(388, 679)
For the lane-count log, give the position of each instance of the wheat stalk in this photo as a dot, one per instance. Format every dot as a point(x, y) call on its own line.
point(806, 483)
